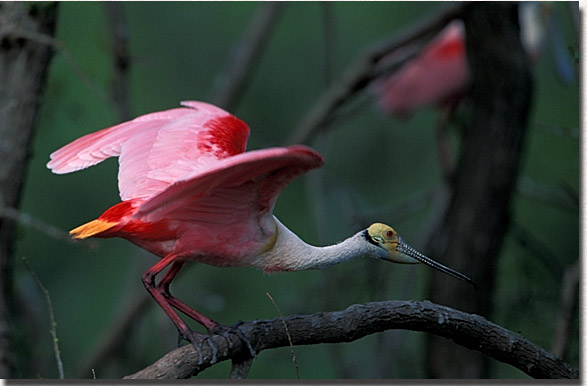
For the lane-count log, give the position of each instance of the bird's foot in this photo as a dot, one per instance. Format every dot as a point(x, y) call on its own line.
point(197, 340)
point(225, 332)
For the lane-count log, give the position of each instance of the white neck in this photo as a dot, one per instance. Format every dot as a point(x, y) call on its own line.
point(290, 253)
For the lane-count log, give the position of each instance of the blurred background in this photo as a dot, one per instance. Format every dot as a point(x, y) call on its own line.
point(379, 168)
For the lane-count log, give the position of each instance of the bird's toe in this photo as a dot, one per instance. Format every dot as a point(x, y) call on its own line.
point(225, 332)
point(197, 340)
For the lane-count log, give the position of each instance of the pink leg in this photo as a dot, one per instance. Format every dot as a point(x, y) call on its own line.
point(167, 302)
point(161, 295)
point(163, 287)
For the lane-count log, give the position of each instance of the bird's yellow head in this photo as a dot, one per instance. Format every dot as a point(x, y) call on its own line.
point(393, 248)
point(387, 238)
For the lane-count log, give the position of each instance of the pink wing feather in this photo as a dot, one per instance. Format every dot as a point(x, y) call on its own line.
point(245, 185)
point(186, 167)
point(225, 213)
point(158, 149)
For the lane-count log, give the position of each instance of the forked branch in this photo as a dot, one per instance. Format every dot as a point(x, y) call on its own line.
point(471, 331)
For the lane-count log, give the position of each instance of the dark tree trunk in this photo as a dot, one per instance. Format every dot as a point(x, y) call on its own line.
point(26, 33)
point(470, 235)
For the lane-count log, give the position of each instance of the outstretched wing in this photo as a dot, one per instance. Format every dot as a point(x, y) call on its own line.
point(239, 190)
point(158, 149)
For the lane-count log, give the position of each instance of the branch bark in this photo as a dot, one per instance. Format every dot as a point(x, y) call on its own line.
point(121, 58)
point(470, 235)
point(471, 331)
point(23, 71)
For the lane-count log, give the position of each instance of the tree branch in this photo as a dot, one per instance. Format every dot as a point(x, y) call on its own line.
point(471, 331)
point(567, 306)
point(121, 58)
point(471, 233)
point(23, 71)
point(233, 80)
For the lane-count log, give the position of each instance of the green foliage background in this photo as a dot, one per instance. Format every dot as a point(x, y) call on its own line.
point(373, 163)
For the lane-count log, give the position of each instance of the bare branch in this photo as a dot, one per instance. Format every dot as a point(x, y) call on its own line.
point(364, 70)
point(24, 66)
point(555, 196)
point(121, 58)
point(48, 229)
point(239, 67)
point(53, 328)
point(471, 331)
point(13, 31)
point(539, 249)
point(568, 303)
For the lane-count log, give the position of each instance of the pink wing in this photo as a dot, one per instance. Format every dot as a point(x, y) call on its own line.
point(439, 73)
point(225, 213)
point(158, 149)
point(245, 184)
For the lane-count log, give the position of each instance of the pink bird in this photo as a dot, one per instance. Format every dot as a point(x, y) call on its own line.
point(190, 193)
point(439, 75)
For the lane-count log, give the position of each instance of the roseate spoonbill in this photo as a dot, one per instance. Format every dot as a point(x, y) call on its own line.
point(190, 193)
point(440, 74)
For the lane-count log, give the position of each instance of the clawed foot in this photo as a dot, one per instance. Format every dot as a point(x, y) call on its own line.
point(225, 332)
point(197, 340)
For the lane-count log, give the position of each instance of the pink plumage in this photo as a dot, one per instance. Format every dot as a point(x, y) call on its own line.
point(189, 192)
point(440, 74)
point(158, 149)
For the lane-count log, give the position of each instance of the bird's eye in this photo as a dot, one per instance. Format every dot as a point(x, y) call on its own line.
point(389, 233)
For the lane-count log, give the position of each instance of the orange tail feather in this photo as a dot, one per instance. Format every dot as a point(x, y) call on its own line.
point(90, 229)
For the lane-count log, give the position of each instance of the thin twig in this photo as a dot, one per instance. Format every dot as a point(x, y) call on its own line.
point(561, 131)
point(544, 193)
point(232, 81)
point(51, 318)
point(293, 354)
point(567, 306)
point(538, 249)
point(414, 203)
point(40, 225)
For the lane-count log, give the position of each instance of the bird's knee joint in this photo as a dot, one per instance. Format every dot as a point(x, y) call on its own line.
point(148, 280)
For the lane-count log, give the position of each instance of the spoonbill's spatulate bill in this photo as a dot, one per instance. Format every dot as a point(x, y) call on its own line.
point(190, 192)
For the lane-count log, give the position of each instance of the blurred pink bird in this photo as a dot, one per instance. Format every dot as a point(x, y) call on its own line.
point(190, 192)
point(439, 75)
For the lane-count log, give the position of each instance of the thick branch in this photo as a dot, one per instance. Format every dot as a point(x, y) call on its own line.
point(121, 58)
point(23, 71)
point(472, 230)
point(471, 331)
